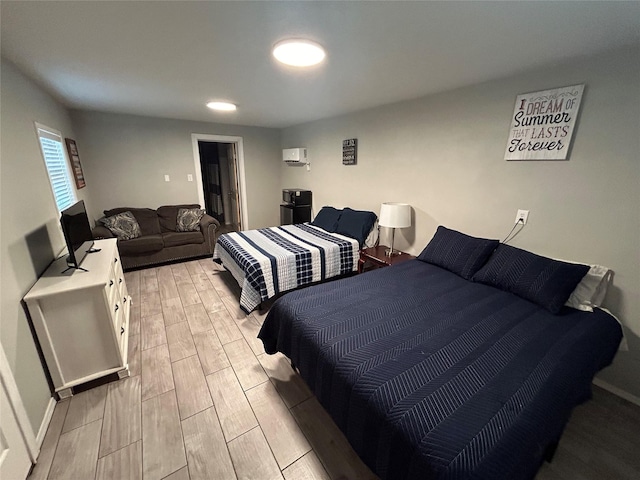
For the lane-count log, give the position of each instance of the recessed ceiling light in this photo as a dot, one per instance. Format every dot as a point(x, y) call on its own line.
point(222, 106)
point(298, 53)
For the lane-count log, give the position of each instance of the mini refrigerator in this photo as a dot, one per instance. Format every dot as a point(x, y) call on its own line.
point(295, 206)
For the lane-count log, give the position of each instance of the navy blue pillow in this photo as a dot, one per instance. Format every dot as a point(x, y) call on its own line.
point(457, 252)
point(356, 224)
point(543, 281)
point(327, 219)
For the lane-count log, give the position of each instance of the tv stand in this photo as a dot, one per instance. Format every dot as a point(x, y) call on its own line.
point(73, 267)
point(82, 320)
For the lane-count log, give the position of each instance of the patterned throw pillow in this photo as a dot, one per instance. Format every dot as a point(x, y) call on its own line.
point(123, 225)
point(189, 219)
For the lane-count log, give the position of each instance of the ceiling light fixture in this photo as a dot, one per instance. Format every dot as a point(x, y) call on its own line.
point(222, 106)
point(298, 53)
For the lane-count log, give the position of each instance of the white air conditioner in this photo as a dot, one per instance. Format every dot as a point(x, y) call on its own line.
point(294, 156)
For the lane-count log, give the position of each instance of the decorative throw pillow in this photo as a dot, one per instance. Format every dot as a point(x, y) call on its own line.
point(356, 224)
point(541, 280)
point(189, 219)
point(327, 219)
point(123, 225)
point(457, 252)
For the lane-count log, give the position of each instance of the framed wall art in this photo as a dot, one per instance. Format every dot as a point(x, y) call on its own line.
point(350, 151)
point(542, 124)
point(76, 167)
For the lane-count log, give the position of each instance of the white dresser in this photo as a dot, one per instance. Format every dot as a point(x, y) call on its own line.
point(82, 318)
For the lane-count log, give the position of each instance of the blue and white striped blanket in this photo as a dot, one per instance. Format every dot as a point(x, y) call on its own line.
point(273, 260)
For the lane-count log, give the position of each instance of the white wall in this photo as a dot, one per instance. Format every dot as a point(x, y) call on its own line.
point(125, 158)
point(30, 237)
point(444, 153)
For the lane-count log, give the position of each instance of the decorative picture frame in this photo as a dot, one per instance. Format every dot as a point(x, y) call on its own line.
point(74, 159)
point(350, 151)
point(543, 123)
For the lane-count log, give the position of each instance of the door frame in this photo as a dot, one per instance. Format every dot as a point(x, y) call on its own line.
point(18, 410)
point(195, 138)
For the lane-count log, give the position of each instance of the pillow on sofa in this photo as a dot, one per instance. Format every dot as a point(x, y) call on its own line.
point(189, 219)
point(541, 280)
point(147, 218)
point(123, 225)
point(327, 219)
point(168, 215)
point(459, 253)
point(356, 224)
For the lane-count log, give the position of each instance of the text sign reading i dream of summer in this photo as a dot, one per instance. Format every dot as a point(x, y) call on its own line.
point(542, 124)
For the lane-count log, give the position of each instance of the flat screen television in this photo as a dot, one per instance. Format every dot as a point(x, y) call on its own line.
point(77, 233)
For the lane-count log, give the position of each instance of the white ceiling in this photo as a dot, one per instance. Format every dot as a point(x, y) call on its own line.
point(167, 59)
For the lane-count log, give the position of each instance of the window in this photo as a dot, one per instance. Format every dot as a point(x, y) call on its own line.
point(56, 162)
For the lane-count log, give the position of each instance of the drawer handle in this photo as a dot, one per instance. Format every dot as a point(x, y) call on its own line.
point(121, 330)
point(120, 281)
point(111, 283)
point(117, 307)
point(124, 299)
point(115, 260)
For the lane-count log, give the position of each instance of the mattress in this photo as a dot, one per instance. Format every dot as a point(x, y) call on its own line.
point(433, 376)
point(269, 261)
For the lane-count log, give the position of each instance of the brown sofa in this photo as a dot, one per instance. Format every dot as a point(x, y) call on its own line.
point(159, 242)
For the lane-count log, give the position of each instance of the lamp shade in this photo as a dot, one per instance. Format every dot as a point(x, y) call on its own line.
point(395, 215)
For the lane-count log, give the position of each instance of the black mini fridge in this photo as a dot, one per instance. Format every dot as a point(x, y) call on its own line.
point(295, 206)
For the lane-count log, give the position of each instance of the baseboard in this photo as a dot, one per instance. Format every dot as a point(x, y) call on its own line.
point(617, 391)
point(45, 422)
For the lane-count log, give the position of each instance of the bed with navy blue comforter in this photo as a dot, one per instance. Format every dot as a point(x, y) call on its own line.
point(433, 376)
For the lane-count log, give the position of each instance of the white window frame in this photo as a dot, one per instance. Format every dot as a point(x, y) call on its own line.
point(43, 131)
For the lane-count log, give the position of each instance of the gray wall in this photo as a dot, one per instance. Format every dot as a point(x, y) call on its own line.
point(30, 236)
point(125, 158)
point(443, 154)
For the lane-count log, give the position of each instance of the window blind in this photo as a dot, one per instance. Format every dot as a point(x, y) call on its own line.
point(56, 163)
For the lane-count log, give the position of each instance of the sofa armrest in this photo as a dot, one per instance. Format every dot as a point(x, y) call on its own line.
point(209, 227)
point(100, 231)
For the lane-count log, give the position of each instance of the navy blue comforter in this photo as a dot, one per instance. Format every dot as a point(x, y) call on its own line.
point(430, 375)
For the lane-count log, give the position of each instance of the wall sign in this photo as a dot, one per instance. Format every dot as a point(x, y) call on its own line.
point(350, 151)
point(74, 158)
point(542, 124)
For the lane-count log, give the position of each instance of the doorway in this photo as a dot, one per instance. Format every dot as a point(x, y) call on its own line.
point(219, 169)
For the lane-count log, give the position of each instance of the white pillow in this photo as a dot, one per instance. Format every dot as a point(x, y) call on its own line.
point(591, 290)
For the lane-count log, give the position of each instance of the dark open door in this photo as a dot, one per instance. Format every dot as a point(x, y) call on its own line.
point(211, 183)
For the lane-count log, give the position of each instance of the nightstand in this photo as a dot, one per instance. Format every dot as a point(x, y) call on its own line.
point(378, 257)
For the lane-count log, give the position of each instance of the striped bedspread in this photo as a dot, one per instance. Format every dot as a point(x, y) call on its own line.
point(273, 260)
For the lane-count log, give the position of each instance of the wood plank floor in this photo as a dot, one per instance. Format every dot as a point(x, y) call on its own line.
point(205, 402)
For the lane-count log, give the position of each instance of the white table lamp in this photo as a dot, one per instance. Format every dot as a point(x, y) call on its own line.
point(394, 215)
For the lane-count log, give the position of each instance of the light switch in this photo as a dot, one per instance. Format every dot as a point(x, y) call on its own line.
point(189, 178)
point(166, 178)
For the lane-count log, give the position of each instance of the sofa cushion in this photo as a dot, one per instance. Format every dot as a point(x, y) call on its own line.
point(167, 214)
point(174, 239)
point(141, 245)
point(146, 217)
point(189, 219)
point(123, 225)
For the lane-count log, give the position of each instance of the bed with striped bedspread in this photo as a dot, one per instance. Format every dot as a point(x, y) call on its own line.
point(270, 261)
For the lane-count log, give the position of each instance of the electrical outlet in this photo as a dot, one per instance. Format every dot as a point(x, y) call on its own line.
point(166, 178)
point(189, 177)
point(522, 216)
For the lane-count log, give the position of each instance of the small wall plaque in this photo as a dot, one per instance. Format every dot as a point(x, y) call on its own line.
point(74, 158)
point(350, 151)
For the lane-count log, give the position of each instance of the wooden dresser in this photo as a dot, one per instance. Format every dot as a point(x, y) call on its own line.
point(81, 318)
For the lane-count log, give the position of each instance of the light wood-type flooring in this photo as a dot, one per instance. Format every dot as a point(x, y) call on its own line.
point(205, 402)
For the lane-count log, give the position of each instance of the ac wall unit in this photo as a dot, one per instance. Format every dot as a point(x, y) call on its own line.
point(294, 156)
